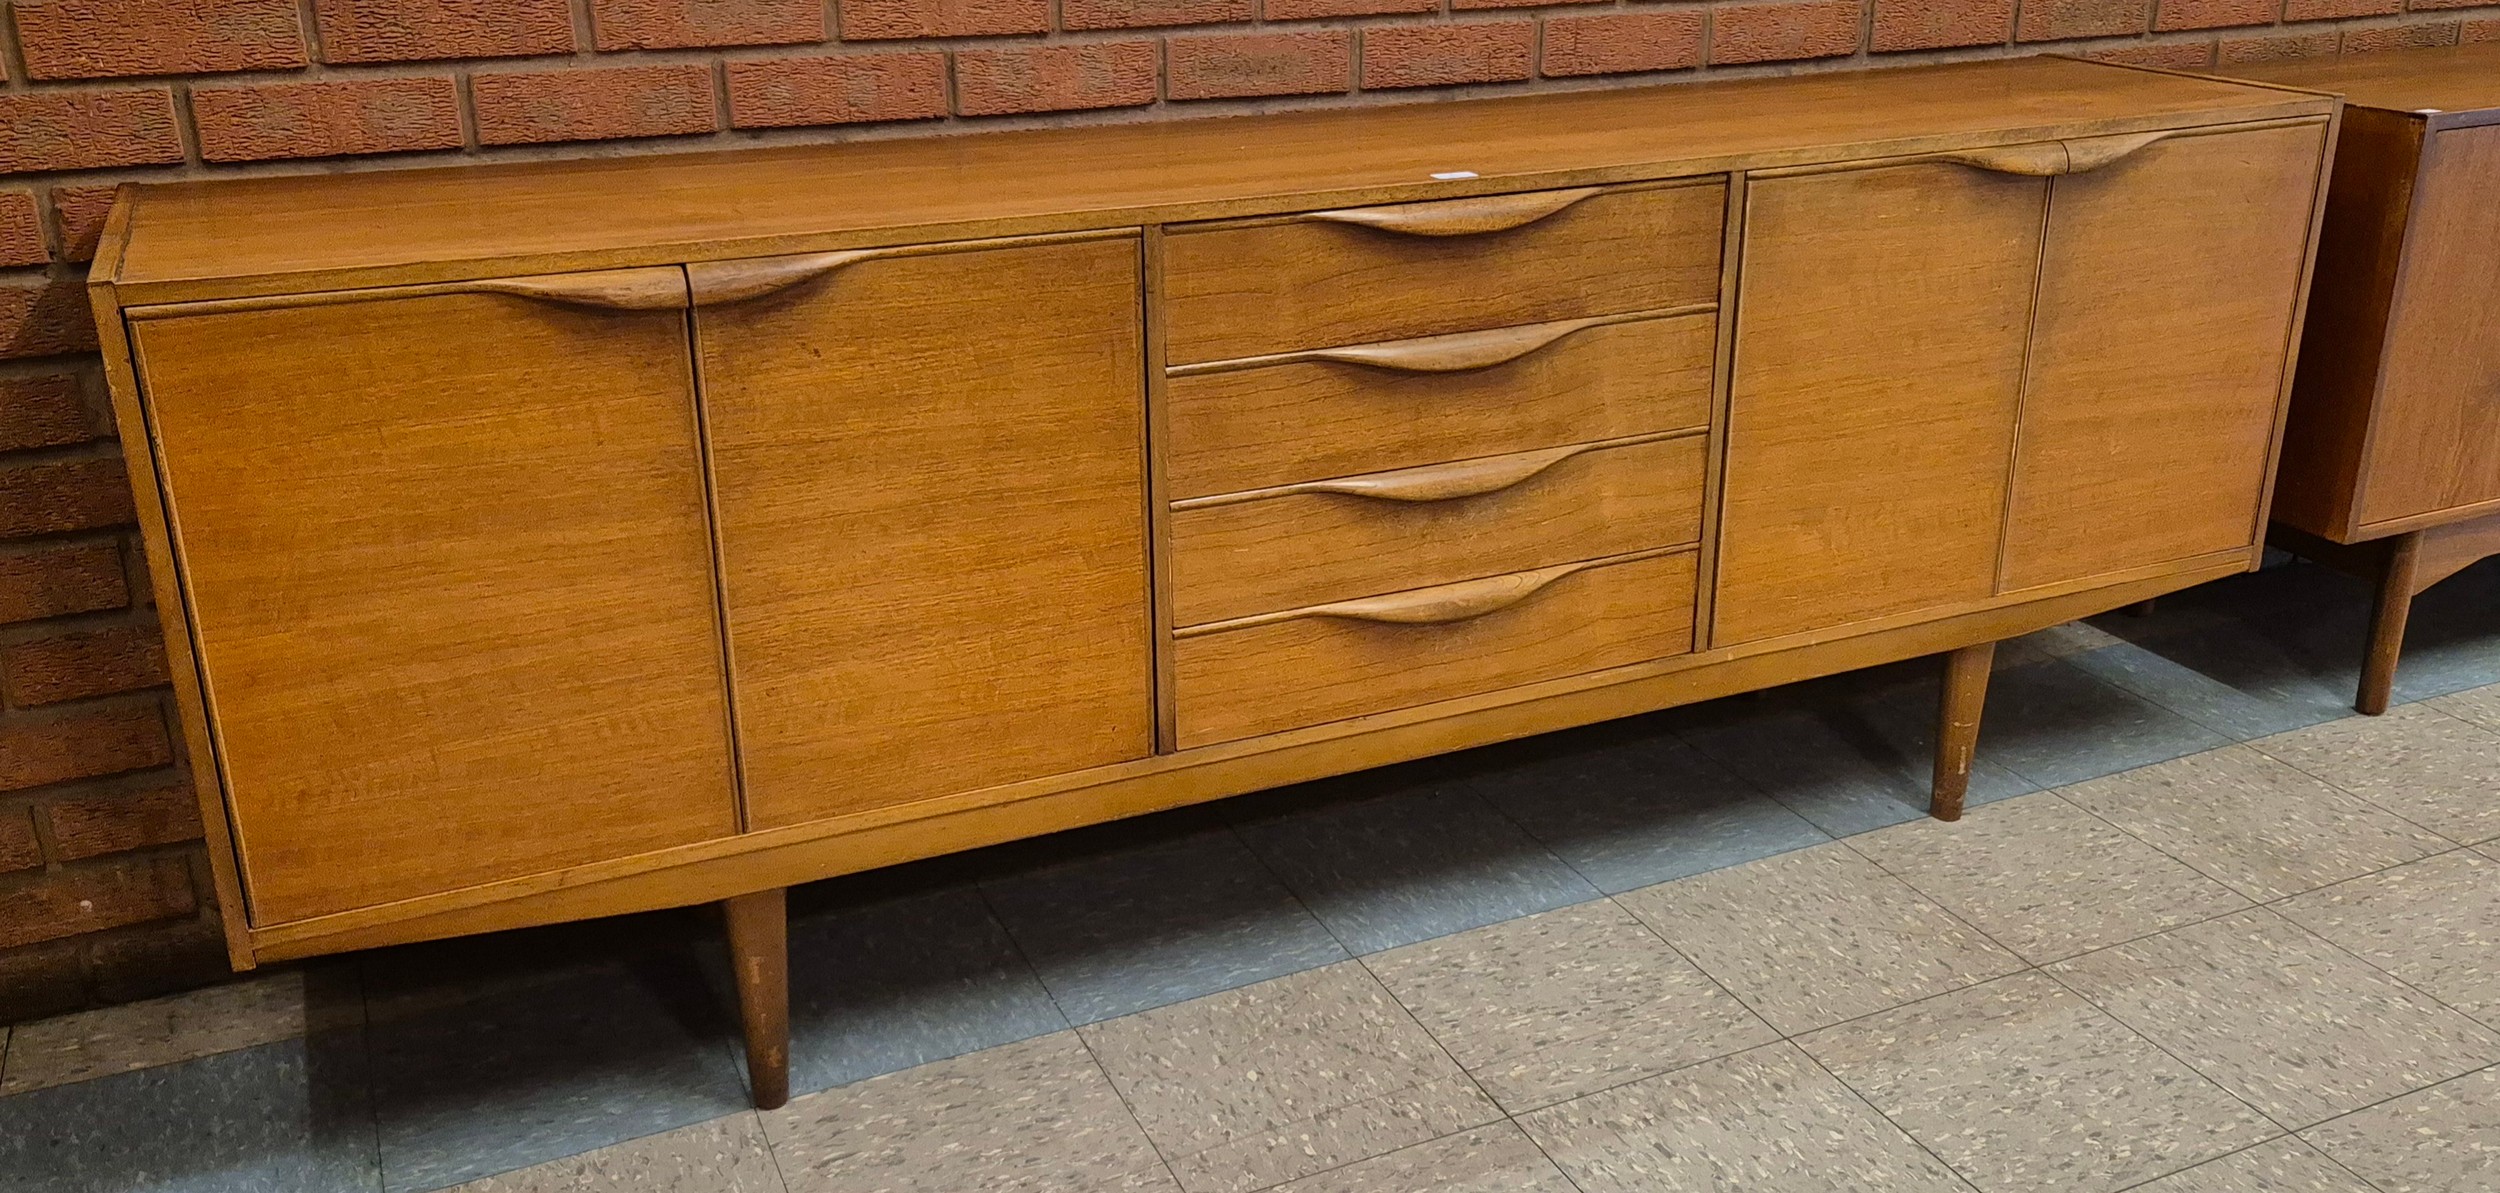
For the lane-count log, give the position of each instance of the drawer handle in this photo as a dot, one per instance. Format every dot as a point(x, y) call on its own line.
point(1460, 217)
point(717, 283)
point(661, 289)
point(1457, 352)
point(2054, 159)
point(1431, 482)
point(1448, 603)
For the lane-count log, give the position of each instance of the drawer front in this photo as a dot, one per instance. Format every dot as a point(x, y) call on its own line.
point(1420, 269)
point(1305, 420)
point(1361, 657)
point(1383, 532)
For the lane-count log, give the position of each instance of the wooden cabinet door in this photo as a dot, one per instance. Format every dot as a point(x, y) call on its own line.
point(450, 584)
point(1879, 352)
point(2167, 291)
point(2436, 446)
point(931, 486)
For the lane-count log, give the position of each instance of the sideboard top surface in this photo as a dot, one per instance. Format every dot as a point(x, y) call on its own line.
point(2454, 79)
point(273, 235)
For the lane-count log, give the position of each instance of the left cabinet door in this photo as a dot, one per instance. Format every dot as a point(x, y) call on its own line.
point(449, 580)
point(931, 473)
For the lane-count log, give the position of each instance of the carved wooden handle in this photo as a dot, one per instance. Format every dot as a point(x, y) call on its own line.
point(1463, 601)
point(658, 289)
point(1457, 352)
point(1431, 482)
point(2054, 159)
point(1460, 217)
point(716, 283)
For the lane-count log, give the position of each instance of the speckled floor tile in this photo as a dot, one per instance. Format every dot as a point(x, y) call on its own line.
point(1844, 768)
point(2279, 1017)
point(289, 1117)
point(2445, 1139)
point(2283, 1166)
point(2479, 705)
point(1565, 1003)
point(2212, 702)
point(2257, 825)
point(1494, 1159)
point(1768, 1120)
point(1030, 1117)
point(2435, 924)
point(725, 1155)
point(2021, 1085)
point(1411, 865)
point(1268, 1083)
point(2045, 878)
point(1815, 937)
point(1641, 806)
point(1156, 924)
point(550, 1070)
point(180, 1027)
point(886, 985)
point(2433, 769)
point(2053, 724)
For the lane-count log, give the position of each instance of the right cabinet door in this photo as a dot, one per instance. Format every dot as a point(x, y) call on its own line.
point(2168, 285)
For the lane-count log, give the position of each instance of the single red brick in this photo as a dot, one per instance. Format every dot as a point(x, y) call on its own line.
point(2243, 50)
point(92, 39)
point(2052, 20)
point(2172, 55)
point(239, 124)
point(1779, 32)
point(85, 826)
point(1134, 14)
point(58, 495)
point(1622, 42)
point(45, 316)
point(836, 89)
point(86, 130)
point(2478, 32)
point(84, 745)
point(82, 663)
point(869, 20)
point(161, 958)
point(671, 24)
point(76, 900)
point(2401, 37)
point(53, 581)
point(1441, 55)
point(80, 212)
point(2442, 5)
point(19, 850)
point(417, 30)
point(21, 231)
point(1939, 24)
point(1217, 65)
point(1470, 4)
point(1298, 10)
point(44, 411)
point(2215, 14)
point(1055, 78)
point(44, 980)
point(593, 104)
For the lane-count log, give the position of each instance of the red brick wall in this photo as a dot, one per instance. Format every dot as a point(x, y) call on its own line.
point(102, 886)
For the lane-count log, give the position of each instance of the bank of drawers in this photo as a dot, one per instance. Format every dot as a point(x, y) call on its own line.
point(1432, 450)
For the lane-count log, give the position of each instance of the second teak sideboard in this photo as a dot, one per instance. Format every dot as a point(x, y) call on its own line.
point(564, 539)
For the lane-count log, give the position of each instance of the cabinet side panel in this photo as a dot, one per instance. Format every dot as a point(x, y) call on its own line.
point(1879, 353)
point(451, 584)
point(2438, 441)
point(931, 488)
point(2167, 292)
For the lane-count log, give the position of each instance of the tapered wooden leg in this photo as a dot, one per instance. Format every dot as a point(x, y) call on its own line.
point(2144, 608)
point(2387, 622)
point(759, 952)
point(1957, 726)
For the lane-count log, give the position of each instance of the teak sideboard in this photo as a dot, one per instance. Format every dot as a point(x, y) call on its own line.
point(2391, 460)
point(564, 539)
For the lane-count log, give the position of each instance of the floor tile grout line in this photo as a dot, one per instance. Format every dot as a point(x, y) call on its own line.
point(1968, 1182)
point(2271, 1139)
point(772, 1152)
point(2347, 792)
point(2158, 1046)
point(2302, 1135)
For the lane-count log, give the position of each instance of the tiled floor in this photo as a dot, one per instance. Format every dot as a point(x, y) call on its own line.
point(2202, 932)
